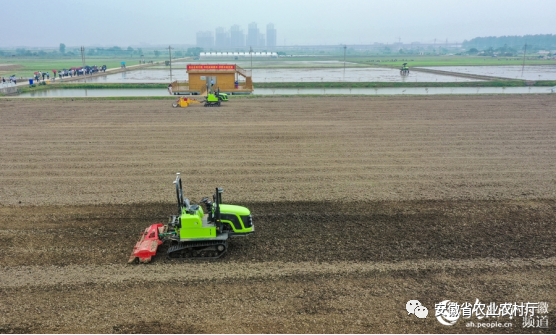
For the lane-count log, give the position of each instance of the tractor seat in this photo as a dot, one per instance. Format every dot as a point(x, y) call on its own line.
point(192, 209)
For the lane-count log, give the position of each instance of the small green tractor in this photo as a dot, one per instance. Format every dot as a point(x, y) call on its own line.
point(212, 100)
point(404, 71)
point(215, 99)
point(192, 234)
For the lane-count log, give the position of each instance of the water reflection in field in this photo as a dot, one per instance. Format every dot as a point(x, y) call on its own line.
point(286, 75)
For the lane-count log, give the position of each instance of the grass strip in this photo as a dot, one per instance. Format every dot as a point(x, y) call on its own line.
point(545, 83)
point(60, 85)
point(494, 83)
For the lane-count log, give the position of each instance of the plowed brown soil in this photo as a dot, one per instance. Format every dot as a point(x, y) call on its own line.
point(360, 204)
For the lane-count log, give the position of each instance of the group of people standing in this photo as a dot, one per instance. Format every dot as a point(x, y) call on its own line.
point(12, 80)
point(39, 75)
point(87, 70)
point(44, 75)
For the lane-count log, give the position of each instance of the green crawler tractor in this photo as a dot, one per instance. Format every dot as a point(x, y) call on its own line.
point(404, 71)
point(215, 99)
point(212, 100)
point(192, 234)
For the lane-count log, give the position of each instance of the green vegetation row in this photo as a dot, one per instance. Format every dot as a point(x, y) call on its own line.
point(89, 86)
point(545, 83)
point(108, 85)
point(494, 83)
point(114, 51)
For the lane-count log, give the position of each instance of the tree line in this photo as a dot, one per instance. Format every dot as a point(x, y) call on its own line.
point(534, 42)
point(105, 52)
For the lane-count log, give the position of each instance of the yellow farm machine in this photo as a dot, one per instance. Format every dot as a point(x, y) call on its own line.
point(184, 102)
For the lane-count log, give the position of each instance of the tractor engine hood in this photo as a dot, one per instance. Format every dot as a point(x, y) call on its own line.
point(238, 210)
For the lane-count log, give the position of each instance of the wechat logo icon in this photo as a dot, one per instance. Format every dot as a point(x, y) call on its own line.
point(414, 307)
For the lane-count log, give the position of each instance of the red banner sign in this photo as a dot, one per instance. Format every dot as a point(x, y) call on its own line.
point(211, 67)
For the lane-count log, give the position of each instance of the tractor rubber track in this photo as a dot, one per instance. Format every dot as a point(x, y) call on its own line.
point(197, 250)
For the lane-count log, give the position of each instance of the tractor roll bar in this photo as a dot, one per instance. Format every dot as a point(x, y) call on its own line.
point(182, 202)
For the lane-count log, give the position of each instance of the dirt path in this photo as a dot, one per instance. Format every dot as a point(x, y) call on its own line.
point(312, 302)
point(458, 74)
point(360, 204)
point(12, 277)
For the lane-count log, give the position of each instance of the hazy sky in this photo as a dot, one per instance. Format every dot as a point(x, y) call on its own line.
point(47, 23)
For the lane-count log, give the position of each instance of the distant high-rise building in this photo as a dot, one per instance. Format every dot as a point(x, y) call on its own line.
point(270, 36)
point(222, 38)
point(205, 39)
point(252, 35)
point(237, 38)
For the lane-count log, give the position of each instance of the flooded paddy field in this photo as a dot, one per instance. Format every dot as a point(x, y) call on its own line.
point(366, 74)
point(532, 72)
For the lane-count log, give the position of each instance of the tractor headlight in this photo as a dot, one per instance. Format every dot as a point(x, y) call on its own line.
point(247, 221)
